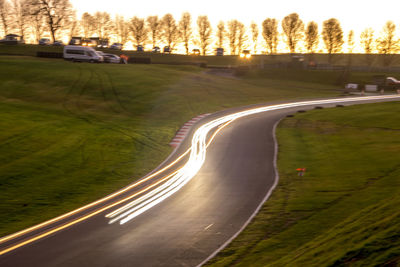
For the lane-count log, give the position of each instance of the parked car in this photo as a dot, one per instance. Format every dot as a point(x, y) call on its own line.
point(245, 54)
point(58, 43)
point(111, 58)
point(117, 46)
point(167, 49)
point(196, 52)
point(89, 43)
point(12, 39)
point(75, 41)
point(219, 51)
point(82, 54)
point(156, 49)
point(139, 48)
point(44, 41)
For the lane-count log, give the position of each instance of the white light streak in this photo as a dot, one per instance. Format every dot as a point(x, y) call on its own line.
point(198, 155)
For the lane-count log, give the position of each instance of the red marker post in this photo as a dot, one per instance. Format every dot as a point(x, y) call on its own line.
point(301, 171)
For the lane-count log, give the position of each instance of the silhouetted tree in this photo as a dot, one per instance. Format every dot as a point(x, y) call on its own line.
point(221, 34)
point(241, 36)
point(73, 26)
point(5, 16)
point(311, 37)
point(170, 31)
point(121, 29)
point(387, 44)
point(87, 24)
point(185, 28)
point(232, 35)
point(332, 35)
point(57, 13)
point(367, 41)
point(139, 30)
point(102, 24)
point(270, 34)
point(254, 35)
point(350, 41)
point(36, 19)
point(204, 28)
point(154, 25)
point(20, 16)
point(293, 28)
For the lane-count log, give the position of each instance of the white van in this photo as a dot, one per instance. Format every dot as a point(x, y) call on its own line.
point(81, 53)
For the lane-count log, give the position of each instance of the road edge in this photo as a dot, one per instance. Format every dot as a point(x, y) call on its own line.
point(276, 180)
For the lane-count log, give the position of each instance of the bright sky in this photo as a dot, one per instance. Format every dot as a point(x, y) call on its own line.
point(353, 14)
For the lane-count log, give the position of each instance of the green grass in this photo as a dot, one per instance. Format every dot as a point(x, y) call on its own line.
point(74, 132)
point(345, 210)
point(227, 60)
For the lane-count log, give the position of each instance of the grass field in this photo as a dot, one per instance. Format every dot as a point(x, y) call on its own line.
point(345, 210)
point(74, 132)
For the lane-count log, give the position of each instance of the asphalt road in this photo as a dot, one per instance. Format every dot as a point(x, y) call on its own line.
point(184, 229)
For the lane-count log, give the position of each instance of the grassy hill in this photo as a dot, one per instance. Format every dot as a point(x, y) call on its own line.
point(345, 210)
point(73, 132)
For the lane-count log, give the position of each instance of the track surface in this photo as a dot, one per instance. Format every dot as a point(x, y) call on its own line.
point(187, 227)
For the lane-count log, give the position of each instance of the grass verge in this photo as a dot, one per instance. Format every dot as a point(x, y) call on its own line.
point(344, 211)
point(74, 132)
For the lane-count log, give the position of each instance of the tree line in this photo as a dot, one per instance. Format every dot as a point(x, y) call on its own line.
point(58, 18)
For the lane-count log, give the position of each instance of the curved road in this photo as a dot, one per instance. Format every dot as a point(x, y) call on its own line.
point(187, 227)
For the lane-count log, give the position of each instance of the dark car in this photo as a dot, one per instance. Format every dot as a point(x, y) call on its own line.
point(44, 41)
point(58, 43)
point(196, 52)
point(219, 51)
point(117, 46)
point(139, 48)
point(167, 49)
point(156, 49)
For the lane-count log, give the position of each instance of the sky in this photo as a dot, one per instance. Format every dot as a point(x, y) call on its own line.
point(353, 14)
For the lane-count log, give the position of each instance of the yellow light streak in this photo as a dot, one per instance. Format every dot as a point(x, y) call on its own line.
point(196, 159)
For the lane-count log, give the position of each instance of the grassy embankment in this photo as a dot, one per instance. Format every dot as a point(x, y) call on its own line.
point(345, 210)
point(72, 133)
point(375, 60)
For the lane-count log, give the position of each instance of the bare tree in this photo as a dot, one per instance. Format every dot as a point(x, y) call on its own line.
point(121, 29)
point(241, 36)
point(155, 27)
point(367, 42)
point(20, 16)
point(185, 28)
point(221, 34)
point(332, 35)
point(311, 37)
point(57, 14)
point(36, 19)
point(139, 30)
point(87, 24)
point(204, 28)
point(293, 28)
point(102, 24)
point(270, 34)
point(232, 35)
point(5, 16)
point(170, 30)
point(254, 35)
point(350, 41)
point(73, 26)
point(387, 44)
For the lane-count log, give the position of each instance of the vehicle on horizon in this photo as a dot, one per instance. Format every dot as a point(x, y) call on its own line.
point(44, 41)
point(117, 46)
point(12, 39)
point(219, 51)
point(89, 43)
point(167, 49)
point(139, 48)
point(58, 43)
point(111, 58)
point(75, 41)
point(156, 49)
point(245, 54)
point(196, 52)
point(82, 54)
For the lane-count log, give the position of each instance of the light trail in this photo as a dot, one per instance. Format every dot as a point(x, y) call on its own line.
point(198, 155)
point(181, 176)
